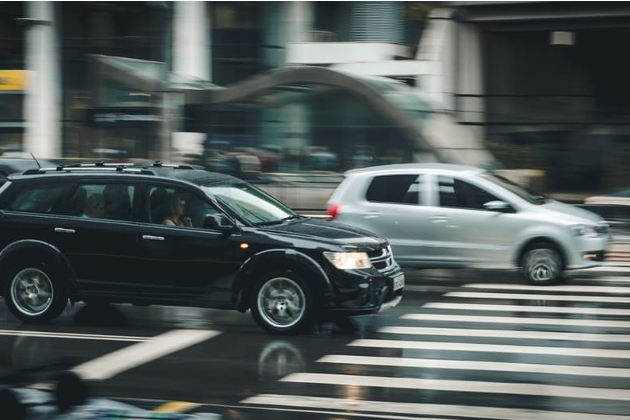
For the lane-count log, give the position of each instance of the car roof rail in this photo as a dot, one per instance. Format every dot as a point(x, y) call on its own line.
point(137, 167)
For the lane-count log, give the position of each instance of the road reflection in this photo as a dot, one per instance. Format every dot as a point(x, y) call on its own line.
point(279, 358)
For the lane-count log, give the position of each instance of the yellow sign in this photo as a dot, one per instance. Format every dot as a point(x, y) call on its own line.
point(13, 80)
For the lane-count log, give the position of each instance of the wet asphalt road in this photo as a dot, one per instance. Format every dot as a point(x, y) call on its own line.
point(462, 344)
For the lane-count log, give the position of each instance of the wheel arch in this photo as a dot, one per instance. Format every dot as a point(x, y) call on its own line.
point(19, 251)
point(540, 240)
point(274, 259)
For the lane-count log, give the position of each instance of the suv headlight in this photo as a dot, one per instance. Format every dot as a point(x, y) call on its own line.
point(348, 260)
point(584, 230)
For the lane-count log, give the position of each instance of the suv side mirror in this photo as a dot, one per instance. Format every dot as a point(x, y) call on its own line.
point(218, 222)
point(497, 205)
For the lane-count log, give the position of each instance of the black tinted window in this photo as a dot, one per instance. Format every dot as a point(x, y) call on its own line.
point(38, 199)
point(102, 201)
point(461, 194)
point(402, 189)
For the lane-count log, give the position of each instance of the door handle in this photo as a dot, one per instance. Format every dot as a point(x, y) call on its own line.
point(153, 238)
point(439, 219)
point(64, 230)
point(371, 214)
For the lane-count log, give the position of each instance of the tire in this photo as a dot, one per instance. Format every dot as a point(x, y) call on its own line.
point(34, 293)
point(542, 263)
point(282, 303)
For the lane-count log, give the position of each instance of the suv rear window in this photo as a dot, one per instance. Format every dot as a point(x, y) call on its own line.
point(41, 198)
point(402, 189)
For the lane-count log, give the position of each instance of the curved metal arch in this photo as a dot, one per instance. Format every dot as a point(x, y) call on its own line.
point(318, 75)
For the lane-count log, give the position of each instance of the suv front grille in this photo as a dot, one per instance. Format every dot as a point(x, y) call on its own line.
point(382, 259)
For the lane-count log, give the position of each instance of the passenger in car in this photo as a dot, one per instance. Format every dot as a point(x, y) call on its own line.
point(94, 206)
point(175, 211)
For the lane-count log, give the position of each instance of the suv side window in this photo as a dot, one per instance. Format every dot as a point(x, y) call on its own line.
point(399, 189)
point(162, 198)
point(461, 194)
point(102, 201)
point(40, 198)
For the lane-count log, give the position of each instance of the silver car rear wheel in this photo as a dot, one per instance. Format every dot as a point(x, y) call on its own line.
point(542, 264)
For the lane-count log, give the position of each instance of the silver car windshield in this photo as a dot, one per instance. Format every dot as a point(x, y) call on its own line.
point(524, 193)
point(250, 203)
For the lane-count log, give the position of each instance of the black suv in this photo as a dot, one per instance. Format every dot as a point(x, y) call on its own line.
point(239, 248)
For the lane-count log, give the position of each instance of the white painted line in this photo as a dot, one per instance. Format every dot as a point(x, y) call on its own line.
point(408, 362)
point(73, 336)
point(542, 390)
point(137, 354)
point(534, 296)
point(492, 348)
point(556, 288)
point(578, 310)
point(518, 334)
point(354, 407)
point(606, 279)
point(601, 323)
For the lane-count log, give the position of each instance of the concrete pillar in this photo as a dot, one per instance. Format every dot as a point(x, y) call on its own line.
point(191, 40)
point(42, 102)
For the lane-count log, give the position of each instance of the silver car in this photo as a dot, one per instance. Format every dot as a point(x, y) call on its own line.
point(444, 215)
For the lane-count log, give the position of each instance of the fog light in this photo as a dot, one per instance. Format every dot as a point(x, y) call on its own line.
point(590, 256)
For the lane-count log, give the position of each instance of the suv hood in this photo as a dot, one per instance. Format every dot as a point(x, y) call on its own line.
point(329, 231)
point(571, 212)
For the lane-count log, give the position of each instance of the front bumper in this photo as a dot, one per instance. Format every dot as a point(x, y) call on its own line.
point(368, 294)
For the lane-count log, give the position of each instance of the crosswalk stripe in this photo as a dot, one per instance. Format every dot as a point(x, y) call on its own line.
point(111, 364)
point(517, 334)
point(556, 288)
point(491, 348)
point(607, 279)
point(548, 391)
point(521, 308)
point(534, 296)
point(477, 365)
point(360, 408)
point(602, 323)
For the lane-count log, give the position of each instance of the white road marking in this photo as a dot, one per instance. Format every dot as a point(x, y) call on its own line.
point(547, 391)
point(492, 348)
point(73, 336)
point(517, 334)
point(478, 365)
point(521, 308)
point(554, 288)
point(534, 296)
point(112, 364)
point(353, 407)
point(600, 323)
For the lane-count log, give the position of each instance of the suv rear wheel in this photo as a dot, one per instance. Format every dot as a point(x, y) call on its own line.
point(282, 303)
point(542, 263)
point(33, 294)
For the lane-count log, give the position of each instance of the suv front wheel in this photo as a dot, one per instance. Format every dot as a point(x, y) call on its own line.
point(33, 295)
point(282, 303)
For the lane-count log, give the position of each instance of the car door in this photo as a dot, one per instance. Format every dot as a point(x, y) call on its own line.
point(101, 246)
point(462, 232)
point(393, 208)
point(187, 264)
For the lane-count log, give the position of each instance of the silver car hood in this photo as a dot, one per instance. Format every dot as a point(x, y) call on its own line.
point(570, 212)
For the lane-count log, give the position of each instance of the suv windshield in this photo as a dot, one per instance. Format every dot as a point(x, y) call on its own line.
point(532, 197)
point(252, 204)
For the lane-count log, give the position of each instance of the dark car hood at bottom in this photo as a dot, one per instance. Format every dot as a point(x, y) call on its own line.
point(332, 231)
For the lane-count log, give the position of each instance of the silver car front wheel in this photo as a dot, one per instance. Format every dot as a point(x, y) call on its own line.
point(542, 264)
